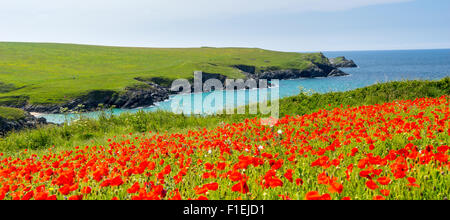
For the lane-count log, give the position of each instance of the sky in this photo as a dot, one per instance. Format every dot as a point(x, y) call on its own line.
point(284, 25)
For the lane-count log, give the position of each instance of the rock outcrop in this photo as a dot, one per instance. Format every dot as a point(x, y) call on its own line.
point(316, 70)
point(29, 121)
point(132, 97)
point(342, 62)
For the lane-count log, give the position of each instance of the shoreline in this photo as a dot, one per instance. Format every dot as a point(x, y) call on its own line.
point(37, 114)
point(152, 98)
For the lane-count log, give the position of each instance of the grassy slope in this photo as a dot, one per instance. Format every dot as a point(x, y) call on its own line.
point(11, 113)
point(54, 73)
point(88, 132)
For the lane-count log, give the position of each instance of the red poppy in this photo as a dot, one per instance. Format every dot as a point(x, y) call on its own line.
point(288, 175)
point(378, 198)
point(235, 176)
point(385, 192)
point(212, 186)
point(209, 166)
point(314, 195)
point(133, 189)
point(335, 187)
point(86, 190)
point(28, 195)
point(76, 197)
point(371, 185)
point(384, 180)
point(412, 182)
point(117, 181)
point(241, 187)
point(65, 190)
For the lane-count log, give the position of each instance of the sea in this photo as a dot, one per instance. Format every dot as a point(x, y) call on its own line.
point(373, 67)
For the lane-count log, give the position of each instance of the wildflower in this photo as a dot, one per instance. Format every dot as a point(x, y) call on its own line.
point(86, 190)
point(412, 182)
point(314, 195)
point(288, 175)
point(335, 187)
point(299, 182)
point(385, 192)
point(135, 188)
point(378, 198)
point(241, 187)
point(76, 197)
point(371, 185)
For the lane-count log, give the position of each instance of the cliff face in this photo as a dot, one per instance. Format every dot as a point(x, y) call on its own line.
point(130, 98)
point(322, 69)
point(315, 71)
point(8, 125)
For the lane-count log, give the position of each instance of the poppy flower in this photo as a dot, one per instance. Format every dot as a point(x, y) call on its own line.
point(235, 176)
point(371, 185)
point(379, 198)
point(41, 196)
point(133, 189)
point(314, 195)
point(384, 180)
point(65, 190)
point(335, 188)
point(212, 186)
point(209, 166)
point(412, 182)
point(385, 192)
point(241, 187)
point(28, 195)
point(117, 181)
point(76, 197)
point(86, 190)
point(288, 175)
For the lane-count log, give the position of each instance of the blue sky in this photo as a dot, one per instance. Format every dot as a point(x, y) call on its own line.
point(287, 25)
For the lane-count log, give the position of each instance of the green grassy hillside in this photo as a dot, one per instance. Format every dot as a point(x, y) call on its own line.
point(88, 131)
point(12, 113)
point(44, 73)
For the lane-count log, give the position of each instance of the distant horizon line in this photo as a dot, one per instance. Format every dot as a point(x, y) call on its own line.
point(295, 51)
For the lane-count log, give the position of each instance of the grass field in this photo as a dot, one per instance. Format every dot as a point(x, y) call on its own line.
point(43, 73)
point(381, 142)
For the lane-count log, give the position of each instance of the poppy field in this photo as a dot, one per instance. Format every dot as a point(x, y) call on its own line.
point(391, 151)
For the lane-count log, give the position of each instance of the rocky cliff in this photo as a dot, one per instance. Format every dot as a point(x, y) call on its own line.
point(29, 121)
point(342, 62)
point(133, 97)
point(317, 70)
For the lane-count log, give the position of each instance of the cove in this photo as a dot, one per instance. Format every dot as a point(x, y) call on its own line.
point(374, 67)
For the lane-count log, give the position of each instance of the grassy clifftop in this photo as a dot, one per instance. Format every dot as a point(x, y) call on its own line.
point(43, 73)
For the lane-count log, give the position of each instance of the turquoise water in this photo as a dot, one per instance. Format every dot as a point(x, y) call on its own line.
point(374, 66)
